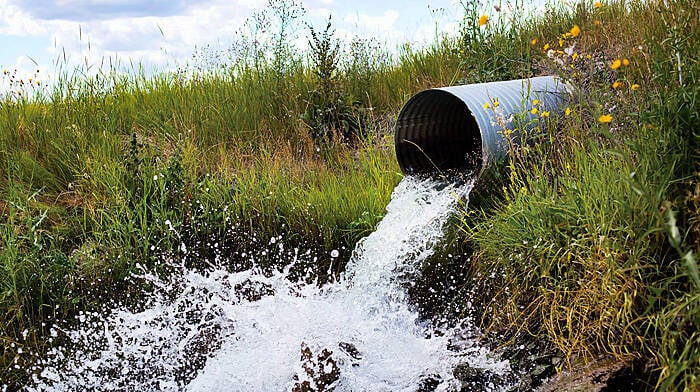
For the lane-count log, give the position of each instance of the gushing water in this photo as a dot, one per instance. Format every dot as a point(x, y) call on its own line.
point(253, 331)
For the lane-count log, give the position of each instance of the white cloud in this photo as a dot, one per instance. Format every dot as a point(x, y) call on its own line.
point(81, 10)
point(385, 22)
point(17, 22)
point(322, 13)
point(382, 27)
point(253, 4)
point(148, 39)
point(162, 38)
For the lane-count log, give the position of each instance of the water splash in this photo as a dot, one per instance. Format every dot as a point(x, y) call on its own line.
point(216, 330)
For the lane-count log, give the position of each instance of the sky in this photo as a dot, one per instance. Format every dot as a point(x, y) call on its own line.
point(164, 33)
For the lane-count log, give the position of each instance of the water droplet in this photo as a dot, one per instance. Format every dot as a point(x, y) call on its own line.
point(254, 313)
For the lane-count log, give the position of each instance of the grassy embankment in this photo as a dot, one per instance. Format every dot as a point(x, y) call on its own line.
point(593, 240)
point(578, 230)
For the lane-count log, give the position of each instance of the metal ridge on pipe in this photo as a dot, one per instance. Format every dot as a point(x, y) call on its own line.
point(450, 127)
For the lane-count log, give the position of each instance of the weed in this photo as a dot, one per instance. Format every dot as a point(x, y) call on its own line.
point(329, 109)
point(585, 245)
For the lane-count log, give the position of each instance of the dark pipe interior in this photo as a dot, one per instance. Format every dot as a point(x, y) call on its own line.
point(435, 131)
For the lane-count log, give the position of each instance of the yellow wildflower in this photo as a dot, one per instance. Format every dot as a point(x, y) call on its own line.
point(605, 118)
point(597, 4)
point(545, 114)
point(495, 103)
point(574, 56)
point(575, 31)
point(568, 111)
point(4, 71)
point(635, 86)
point(483, 20)
point(625, 62)
point(616, 64)
point(561, 42)
point(596, 22)
point(534, 41)
point(486, 105)
point(588, 56)
point(546, 46)
point(617, 84)
point(536, 102)
point(533, 111)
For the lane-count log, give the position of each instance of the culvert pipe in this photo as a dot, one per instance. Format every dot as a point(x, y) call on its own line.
point(450, 127)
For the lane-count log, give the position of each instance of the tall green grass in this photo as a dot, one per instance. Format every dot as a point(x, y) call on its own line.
point(593, 241)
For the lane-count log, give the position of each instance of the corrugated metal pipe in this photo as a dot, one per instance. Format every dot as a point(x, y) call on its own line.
point(454, 128)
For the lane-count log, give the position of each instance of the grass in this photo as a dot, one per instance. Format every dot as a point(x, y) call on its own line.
point(586, 237)
point(592, 243)
point(91, 174)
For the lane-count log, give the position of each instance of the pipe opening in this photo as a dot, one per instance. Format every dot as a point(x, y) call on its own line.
point(436, 132)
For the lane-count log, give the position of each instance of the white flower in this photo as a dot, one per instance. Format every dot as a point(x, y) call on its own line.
point(570, 50)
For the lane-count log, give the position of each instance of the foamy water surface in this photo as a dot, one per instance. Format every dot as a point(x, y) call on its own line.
point(216, 330)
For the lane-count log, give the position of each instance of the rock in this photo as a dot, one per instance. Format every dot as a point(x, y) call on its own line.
point(472, 379)
point(351, 350)
point(598, 376)
point(321, 371)
point(429, 383)
point(541, 371)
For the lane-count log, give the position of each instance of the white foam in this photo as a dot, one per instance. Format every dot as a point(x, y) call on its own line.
point(203, 324)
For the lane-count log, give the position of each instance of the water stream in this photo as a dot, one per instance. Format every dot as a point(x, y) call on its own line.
point(217, 330)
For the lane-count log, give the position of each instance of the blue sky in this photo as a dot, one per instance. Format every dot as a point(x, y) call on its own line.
point(164, 33)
